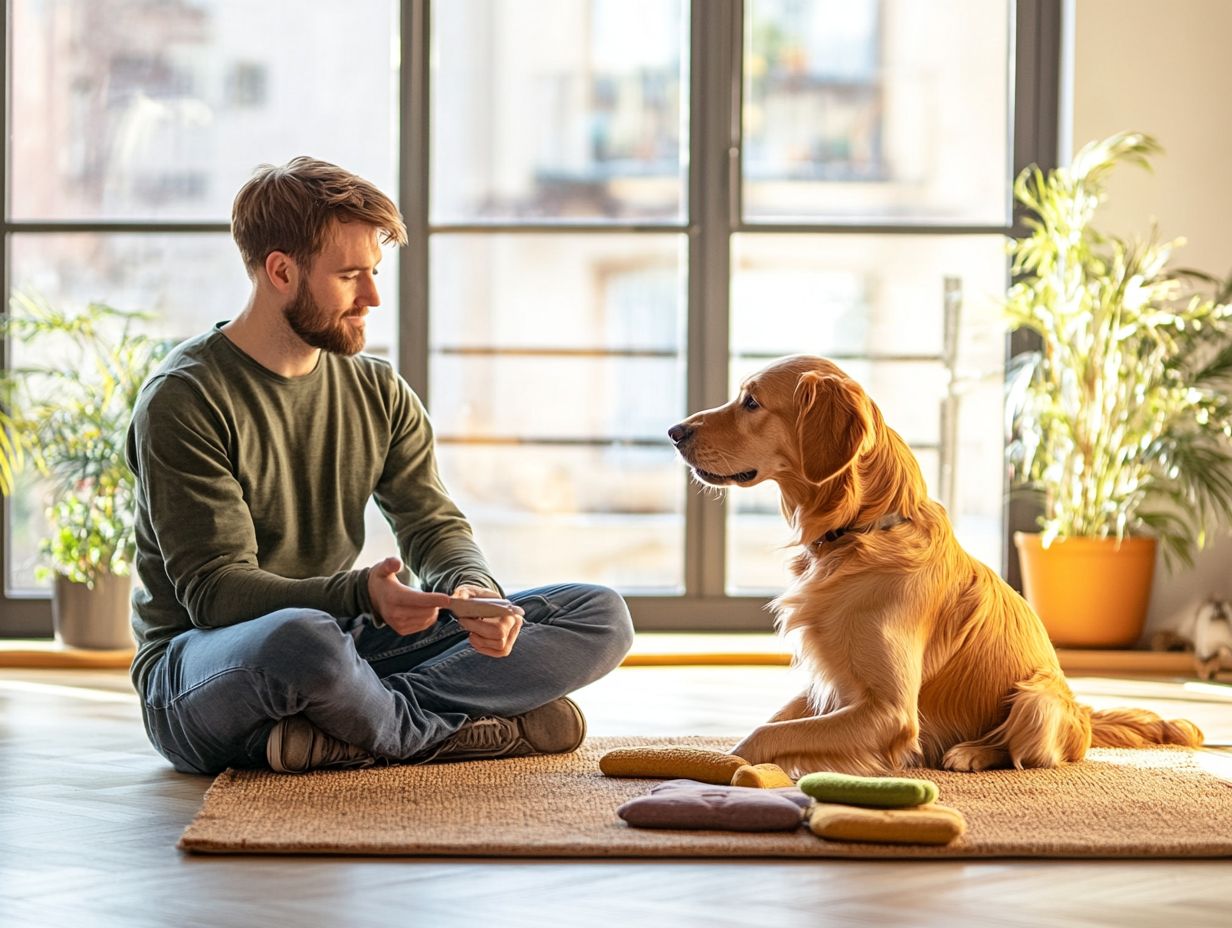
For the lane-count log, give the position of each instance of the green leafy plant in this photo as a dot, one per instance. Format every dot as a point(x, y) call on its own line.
point(1121, 421)
point(67, 417)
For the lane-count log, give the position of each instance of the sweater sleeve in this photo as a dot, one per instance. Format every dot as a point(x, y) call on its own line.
point(435, 538)
point(178, 448)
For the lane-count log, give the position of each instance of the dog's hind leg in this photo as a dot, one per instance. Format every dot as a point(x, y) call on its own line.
point(1045, 727)
point(975, 755)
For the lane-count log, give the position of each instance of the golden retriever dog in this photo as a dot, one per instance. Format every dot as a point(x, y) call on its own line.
point(917, 653)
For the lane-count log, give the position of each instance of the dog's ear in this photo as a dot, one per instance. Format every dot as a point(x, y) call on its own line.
point(833, 425)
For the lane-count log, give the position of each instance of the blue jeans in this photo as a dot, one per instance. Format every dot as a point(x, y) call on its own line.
point(214, 695)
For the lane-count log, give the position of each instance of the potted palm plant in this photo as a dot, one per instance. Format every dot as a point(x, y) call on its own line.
point(67, 416)
point(1120, 421)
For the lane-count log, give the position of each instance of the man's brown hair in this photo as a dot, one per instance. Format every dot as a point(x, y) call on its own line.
point(289, 208)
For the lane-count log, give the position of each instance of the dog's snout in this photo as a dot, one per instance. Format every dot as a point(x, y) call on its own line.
point(679, 433)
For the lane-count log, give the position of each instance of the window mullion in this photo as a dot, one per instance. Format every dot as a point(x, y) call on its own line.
point(413, 185)
point(19, 617)
point(714, 44)
point(1037, 99)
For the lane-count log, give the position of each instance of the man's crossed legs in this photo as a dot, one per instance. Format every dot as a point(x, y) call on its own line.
point(215, 695)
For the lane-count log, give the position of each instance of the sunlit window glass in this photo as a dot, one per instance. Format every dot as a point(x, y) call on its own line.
point(557, 365)
point(563, 109)
point(876, 110)
point(142, 110)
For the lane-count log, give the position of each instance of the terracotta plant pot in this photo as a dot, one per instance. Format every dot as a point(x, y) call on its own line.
point(1089, 592)
point(98, 618)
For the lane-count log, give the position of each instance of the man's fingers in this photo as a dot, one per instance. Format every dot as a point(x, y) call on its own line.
point(419, 613)
point(489, 650)
point(409, 601)
point(388, 567)
point(492, 629)
point(414, 611)
point(470, 590)
point(493, 637)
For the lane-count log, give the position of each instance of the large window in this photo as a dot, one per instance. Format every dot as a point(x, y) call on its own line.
point(618, 209)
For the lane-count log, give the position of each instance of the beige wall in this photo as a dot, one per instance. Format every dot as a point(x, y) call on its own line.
point(1162, 68)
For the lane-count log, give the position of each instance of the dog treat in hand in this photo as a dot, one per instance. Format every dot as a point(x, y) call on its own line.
point(883, 792)
point(476, 607)
point(671, 762)
point(930, 824)
point(762, 776)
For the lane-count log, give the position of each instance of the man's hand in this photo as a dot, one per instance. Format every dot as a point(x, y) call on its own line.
point(494, 635)
point(403, 609)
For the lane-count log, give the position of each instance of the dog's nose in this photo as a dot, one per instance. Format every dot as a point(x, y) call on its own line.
point(679, 434)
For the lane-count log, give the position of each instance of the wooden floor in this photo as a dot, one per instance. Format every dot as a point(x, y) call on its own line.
point(89, 817)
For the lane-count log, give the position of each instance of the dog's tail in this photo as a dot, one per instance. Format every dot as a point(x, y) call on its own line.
point(1138, 728)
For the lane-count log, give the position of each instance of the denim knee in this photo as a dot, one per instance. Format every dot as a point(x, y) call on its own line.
point(304, 649)
point(612, 616)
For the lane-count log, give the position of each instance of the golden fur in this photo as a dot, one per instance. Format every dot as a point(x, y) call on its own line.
point(918, 653)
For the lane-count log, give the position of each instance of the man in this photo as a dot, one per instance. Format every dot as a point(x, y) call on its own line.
point(256, 447)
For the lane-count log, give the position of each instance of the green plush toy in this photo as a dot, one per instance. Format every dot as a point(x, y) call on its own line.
point(882, 792)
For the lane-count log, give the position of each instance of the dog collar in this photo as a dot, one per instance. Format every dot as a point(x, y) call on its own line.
point(885, 522)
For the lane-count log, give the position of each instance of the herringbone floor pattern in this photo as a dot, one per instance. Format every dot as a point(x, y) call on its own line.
point(89, 817)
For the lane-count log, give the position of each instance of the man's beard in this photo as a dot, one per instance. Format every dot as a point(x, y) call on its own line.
point(318, 327)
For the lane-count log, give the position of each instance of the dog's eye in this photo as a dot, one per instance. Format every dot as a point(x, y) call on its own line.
point(750, 404)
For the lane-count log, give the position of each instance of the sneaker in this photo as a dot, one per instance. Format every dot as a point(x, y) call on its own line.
point(295, 745)
point(557, 728)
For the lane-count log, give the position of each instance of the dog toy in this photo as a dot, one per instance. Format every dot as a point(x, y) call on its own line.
point(659, 761)
point(762, 776)
point(689, 804)
point(883, 792)
point(928, 824)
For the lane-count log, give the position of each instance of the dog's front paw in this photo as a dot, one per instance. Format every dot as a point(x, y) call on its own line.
point(754, 748)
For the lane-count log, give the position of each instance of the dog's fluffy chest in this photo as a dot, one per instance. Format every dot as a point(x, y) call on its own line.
point(831, 622)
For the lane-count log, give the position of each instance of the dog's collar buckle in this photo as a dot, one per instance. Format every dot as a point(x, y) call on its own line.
point(885, 522)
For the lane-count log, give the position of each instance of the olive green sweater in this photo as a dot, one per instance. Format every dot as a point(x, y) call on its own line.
point(251, 490)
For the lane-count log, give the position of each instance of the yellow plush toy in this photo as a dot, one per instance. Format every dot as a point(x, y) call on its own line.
point(927, 824)
point(763, 776)
point(670, 762)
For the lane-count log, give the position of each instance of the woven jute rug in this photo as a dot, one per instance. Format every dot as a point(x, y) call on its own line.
point(1117, 803)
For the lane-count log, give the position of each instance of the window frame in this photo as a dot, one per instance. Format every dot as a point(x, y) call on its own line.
point(715, 89)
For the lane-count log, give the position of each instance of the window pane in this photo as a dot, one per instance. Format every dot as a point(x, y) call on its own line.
point(562, 292)
point(576, 399)
point(149, 111)
point(877, 305)
point(557, 366)
point(877, 110)
point(548, 514)
point(558, 108)
point(188, 282)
